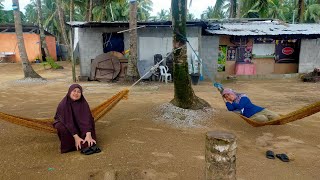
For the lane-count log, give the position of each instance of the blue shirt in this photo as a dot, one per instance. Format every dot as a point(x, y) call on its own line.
point(245, 106)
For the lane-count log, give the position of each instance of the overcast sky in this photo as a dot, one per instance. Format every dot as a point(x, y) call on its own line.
point(197, 7)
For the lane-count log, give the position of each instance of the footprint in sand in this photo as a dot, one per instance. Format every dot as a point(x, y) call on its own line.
point(162, 154)
point(199, 157)
point(135, 141)
point(152, 174)
point(153, 129)
point(160, 161)
point(135, 119)
point(279, 142)
point(107, 123)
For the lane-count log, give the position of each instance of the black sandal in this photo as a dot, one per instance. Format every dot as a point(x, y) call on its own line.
point(270, 154)
point(283, 157)
point(95, 149)
point(87, 151)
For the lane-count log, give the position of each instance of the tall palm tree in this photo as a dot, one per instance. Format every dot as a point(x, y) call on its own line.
point(62, 21)
point(301, 6)
point(233, 9)
point(184, 96)
point(26, 66)
point(1, 12)
point(43, 42)
point(163, 15)
point(190, 16)
point(132, 72)
point(229, 6)
point(312, 13)
point(212, 13)
point(144, 9)
point(71, 42)
point(277, 10)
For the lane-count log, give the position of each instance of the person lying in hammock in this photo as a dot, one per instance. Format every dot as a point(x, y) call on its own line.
point(241, 103)
point(75, 124)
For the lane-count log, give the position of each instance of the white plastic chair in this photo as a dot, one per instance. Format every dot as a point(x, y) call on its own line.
point(164, 75)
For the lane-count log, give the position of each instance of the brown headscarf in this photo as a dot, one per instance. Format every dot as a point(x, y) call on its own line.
point(75, 115)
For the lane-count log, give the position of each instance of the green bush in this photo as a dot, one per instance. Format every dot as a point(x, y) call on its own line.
point(51, 63)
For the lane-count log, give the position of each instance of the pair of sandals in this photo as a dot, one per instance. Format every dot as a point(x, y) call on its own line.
point(282, 157)
point(90, 150)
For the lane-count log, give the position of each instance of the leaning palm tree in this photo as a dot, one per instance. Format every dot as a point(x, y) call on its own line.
point(26, 66)
point(184, 96)
point(42, 35)
point(60, 12)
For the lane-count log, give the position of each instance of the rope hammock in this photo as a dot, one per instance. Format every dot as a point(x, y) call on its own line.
point(290, 117)
point(46, 124)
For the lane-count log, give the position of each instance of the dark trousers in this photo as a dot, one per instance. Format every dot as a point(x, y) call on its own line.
point(67, 140)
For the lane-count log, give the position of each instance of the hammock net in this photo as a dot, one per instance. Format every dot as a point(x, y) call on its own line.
point(45, 124)
point(290, 117)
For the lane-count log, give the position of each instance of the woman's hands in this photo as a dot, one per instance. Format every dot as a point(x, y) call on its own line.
point(89, 139)
point(78, 140)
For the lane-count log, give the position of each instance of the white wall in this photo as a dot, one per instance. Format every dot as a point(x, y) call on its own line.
point(309, 55)
point(263, 49)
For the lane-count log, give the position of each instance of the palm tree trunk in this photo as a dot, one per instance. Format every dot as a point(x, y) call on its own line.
point(62, 26)
point(184, 96)
point(26, 66)
point(90, 10)
point(103, 10)
point(43, 43)
point(239, 9)
point(132, 72)
point(300, 10)
point(87, 10)
point(71, 42)
point(233, 8)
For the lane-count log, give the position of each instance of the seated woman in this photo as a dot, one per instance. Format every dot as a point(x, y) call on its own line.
point(240, 102)
point(75, 124)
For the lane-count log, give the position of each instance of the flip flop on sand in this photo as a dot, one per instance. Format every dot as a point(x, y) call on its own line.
point(283, 157)
point(270, 154)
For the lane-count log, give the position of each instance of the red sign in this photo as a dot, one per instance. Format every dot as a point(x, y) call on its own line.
point(287, 50)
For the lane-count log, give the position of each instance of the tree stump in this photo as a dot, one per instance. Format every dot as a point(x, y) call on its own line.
point(220, 155)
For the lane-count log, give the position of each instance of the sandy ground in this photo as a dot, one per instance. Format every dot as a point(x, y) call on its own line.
point(136, 146)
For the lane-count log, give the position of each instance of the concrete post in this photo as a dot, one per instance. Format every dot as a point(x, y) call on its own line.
point(220, 155)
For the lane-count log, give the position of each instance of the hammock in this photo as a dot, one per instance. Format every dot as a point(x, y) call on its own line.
point(293, 116)
point(45, 124)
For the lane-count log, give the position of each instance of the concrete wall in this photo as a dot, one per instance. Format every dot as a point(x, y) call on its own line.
point(151, 41)
point(91, 45)
point(8, 43)
point(309, 55)
point(159, 41)
point(209, 47)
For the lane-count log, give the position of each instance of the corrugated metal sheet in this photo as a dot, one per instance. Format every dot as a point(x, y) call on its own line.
point(262, 28)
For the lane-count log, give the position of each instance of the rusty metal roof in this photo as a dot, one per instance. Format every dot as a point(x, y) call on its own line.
point(263, 28)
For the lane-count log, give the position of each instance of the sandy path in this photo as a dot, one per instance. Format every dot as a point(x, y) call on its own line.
point(137, 147)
